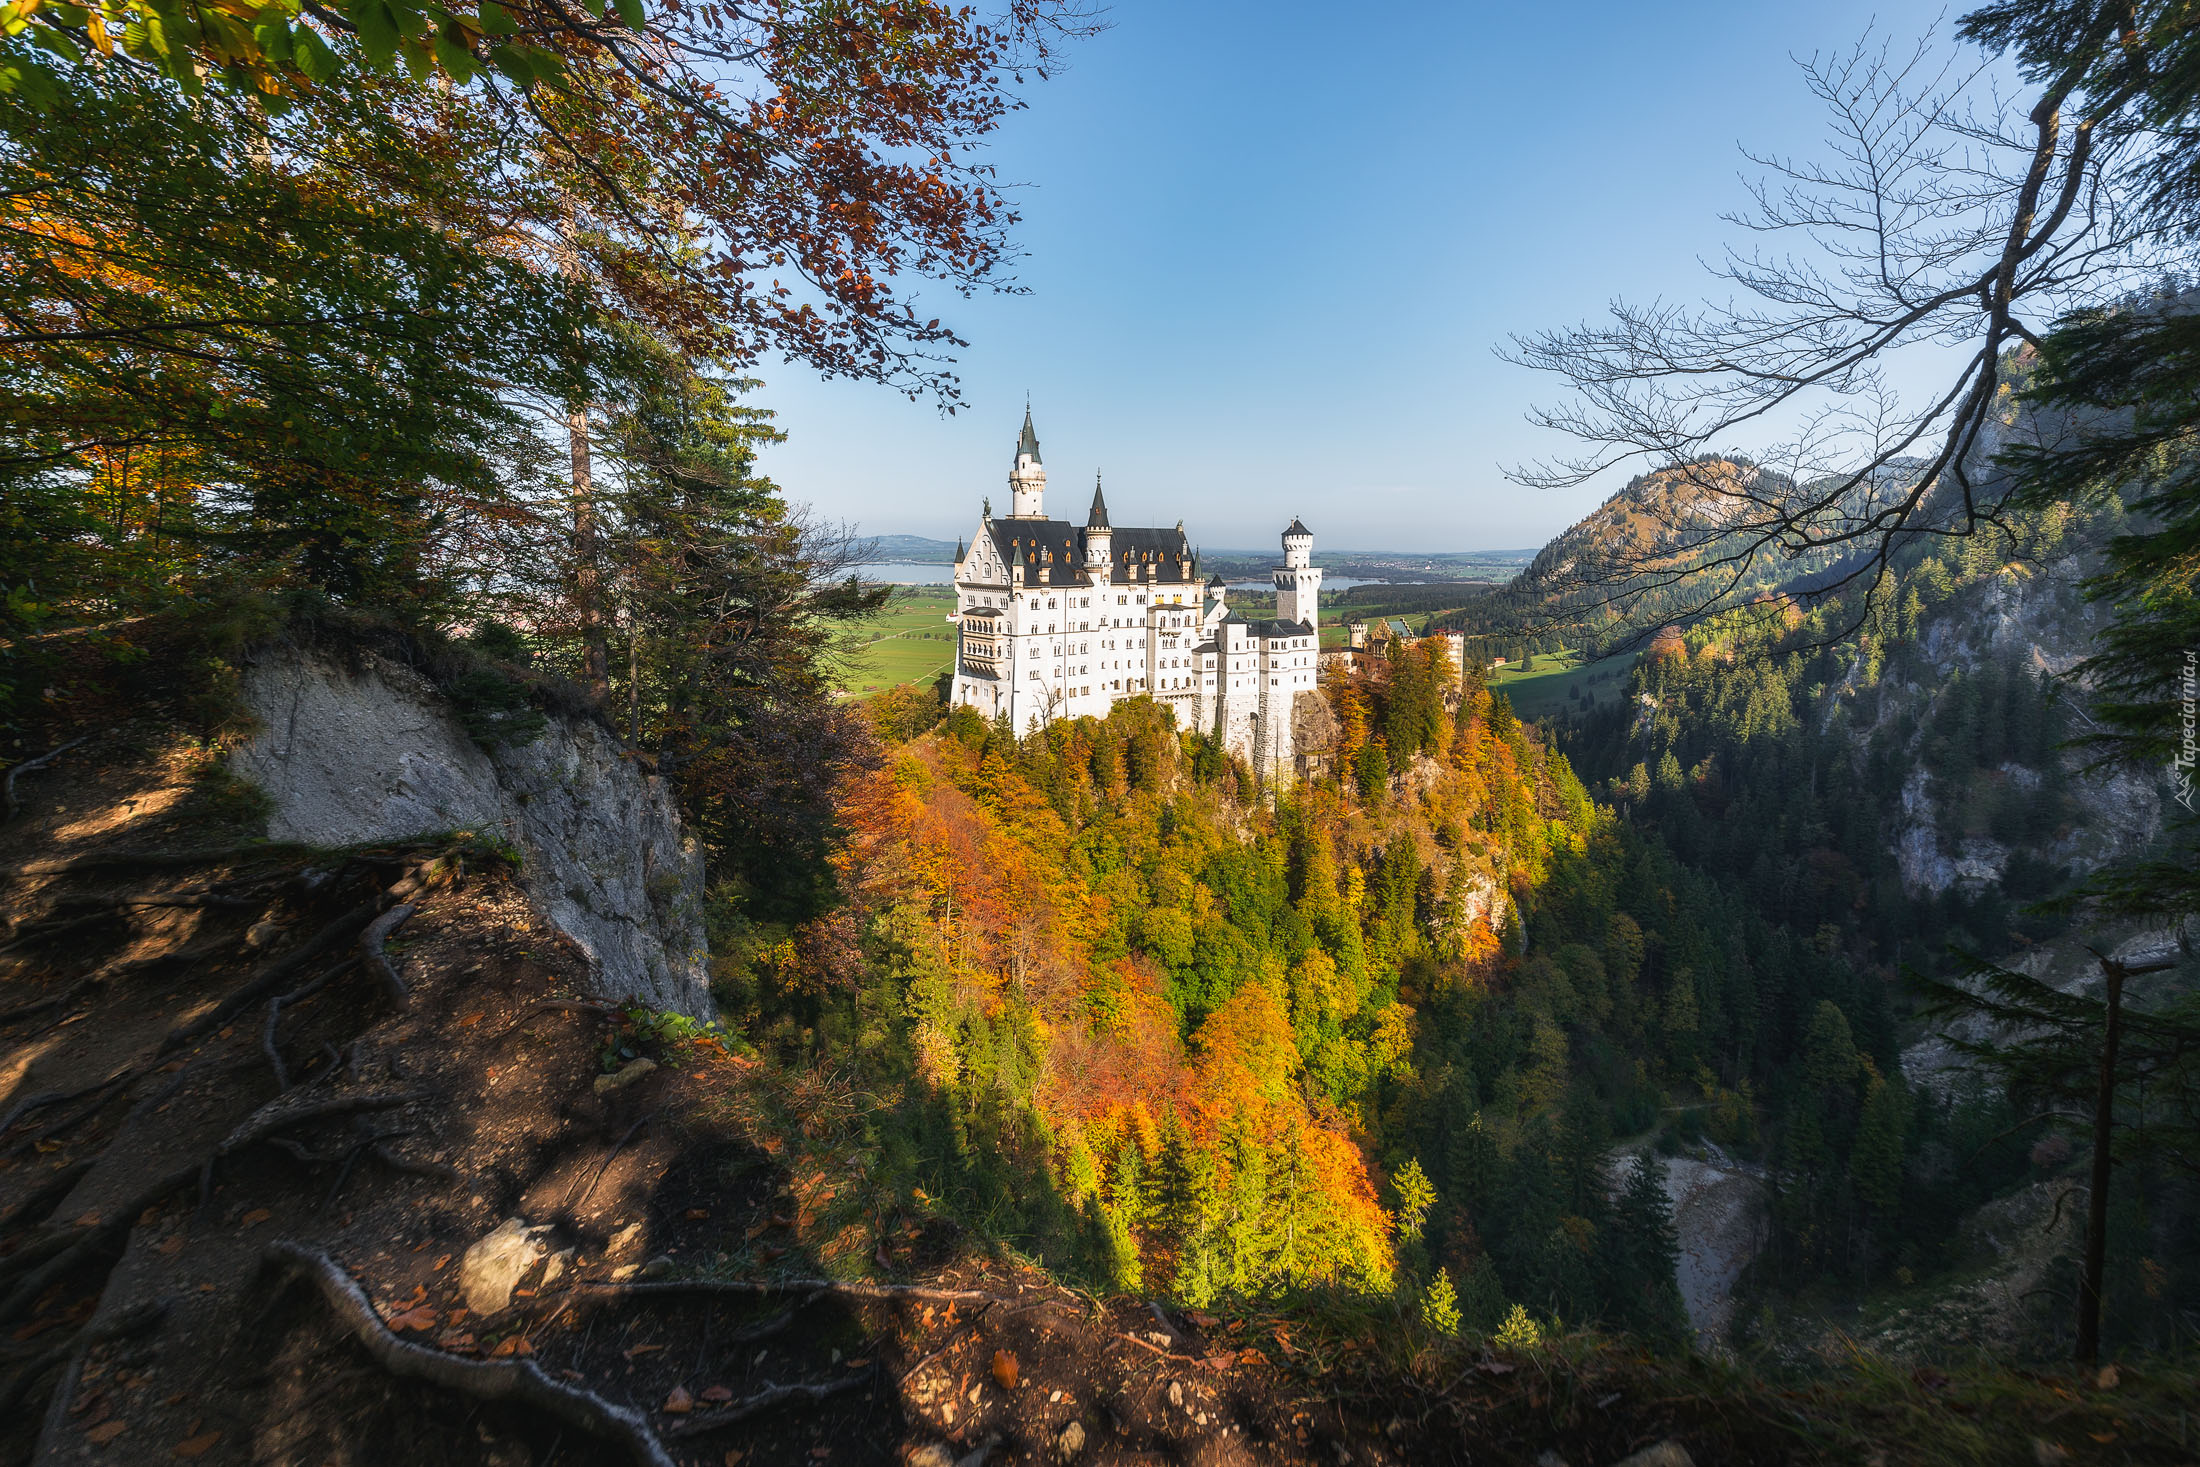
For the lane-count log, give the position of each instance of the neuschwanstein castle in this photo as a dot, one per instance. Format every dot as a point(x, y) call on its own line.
point(1057, 620)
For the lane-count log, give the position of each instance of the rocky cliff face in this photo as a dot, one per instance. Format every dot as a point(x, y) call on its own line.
point(2036, 617)
point(361, 749)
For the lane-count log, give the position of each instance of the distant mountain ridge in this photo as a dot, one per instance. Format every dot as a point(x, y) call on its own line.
point(1474, 565)
point(914, 549)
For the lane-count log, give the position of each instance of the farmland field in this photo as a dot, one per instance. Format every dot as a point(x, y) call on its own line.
point(910, 641)
point(1551, 686)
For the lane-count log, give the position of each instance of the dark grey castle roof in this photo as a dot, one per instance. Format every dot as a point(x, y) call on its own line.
point(1160, 557)
point(1029, 443)
point(1297, 529)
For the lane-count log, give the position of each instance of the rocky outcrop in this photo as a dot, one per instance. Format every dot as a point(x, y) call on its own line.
point(358, 749)
point(2039, 619)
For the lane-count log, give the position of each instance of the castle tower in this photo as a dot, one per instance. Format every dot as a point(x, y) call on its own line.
point(1099, 538)
point(1298, 580)
point(1027, 482)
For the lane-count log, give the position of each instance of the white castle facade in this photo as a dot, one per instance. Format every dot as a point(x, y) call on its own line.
point(1056, 620)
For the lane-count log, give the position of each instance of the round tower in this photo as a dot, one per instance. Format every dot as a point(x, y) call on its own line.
point(1027, 482)
point(1298, 580)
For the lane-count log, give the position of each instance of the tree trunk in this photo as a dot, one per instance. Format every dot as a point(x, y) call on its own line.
point(2096, 1212)
point(634, 684)
point(595, 675)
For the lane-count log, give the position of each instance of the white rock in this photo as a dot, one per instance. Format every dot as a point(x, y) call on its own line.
point(1071, 1441)
point(1667, 1453)
point(493, 1267)
point(361, 749)
point(626, 1075)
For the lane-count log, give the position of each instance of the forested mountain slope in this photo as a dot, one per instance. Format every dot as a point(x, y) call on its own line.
point(1898, 797)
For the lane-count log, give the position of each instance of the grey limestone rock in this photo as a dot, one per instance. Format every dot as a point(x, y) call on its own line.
point(362, 749)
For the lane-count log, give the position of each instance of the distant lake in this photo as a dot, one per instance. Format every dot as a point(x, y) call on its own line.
point(1329, 583)
point(907, 573)
point(917, 573)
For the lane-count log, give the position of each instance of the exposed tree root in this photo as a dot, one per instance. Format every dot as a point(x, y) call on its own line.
point(56, 1255)
point(23, 1108)
point(174, 899)
point(40, 1005)
point(809, 1288)
point(441, 1171)
point(9, 805)
point(99, 1094)
point(370, 947)
point(518, 1382)
point(277, 972)
point(130, 1322)
point(616, 1147)
point(43, 929)
point(47, 1197)
point(158, 860)
point(548, 1005)
point(275, 1007)
point(762, 1401)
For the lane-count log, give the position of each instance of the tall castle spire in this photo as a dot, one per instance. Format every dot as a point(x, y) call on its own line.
point(1027, 481)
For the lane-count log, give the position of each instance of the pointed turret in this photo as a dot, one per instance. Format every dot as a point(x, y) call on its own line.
point(1099, 538)
point(1027, 481)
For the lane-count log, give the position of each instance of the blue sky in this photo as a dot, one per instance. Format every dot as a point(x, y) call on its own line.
point(1269, 249)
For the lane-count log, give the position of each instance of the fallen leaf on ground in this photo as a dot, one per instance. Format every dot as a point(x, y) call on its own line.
point(197, 1446)
point(640, 1350)
point(1004, 1369)
point(472, 1019)
point(106, 1432)
point(461, 1343)
point(437, 1266)
point(679, 1403)
point(422, 1318)
point(859, 1362)
point(2108, 1379)
point(716, 1394)
point(698, 1214)
point(169, 1246)
point(255, 1217)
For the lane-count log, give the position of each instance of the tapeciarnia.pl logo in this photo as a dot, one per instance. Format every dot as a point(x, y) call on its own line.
point(2188, 717)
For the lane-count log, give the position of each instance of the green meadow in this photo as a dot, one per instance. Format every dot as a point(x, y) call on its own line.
point(1561, 682)
point(910, 642)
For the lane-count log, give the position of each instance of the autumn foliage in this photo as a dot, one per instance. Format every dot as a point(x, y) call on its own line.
point(1188, 1009)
